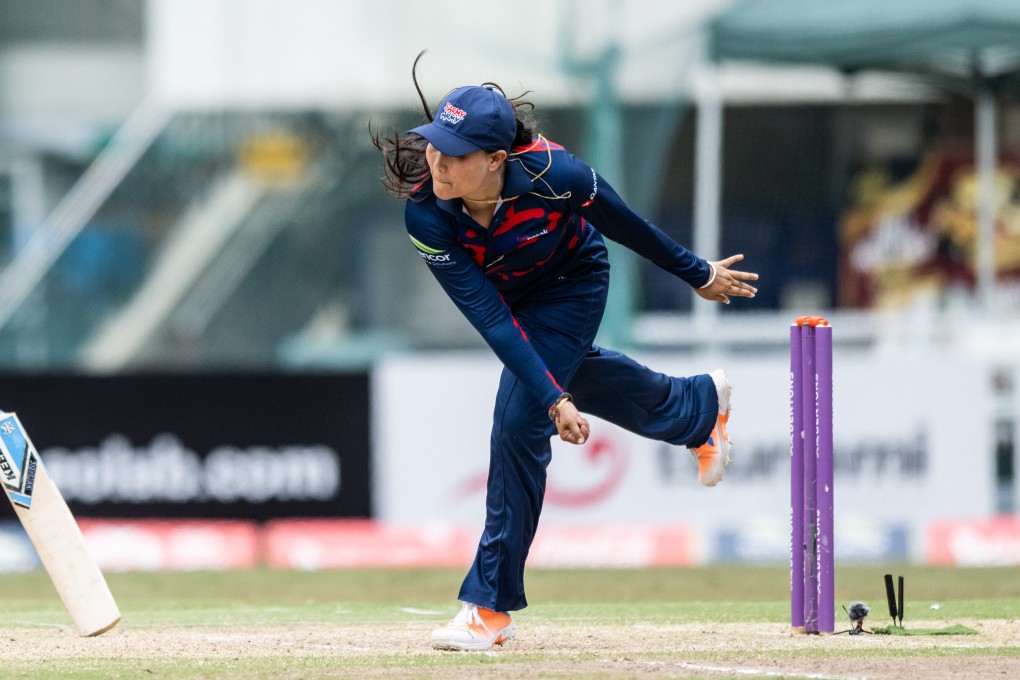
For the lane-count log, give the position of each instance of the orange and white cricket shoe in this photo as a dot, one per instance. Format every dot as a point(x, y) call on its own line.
point(714, 455)
point(474, 629)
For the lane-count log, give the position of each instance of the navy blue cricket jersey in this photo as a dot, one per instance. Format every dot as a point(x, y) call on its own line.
point(551, 229)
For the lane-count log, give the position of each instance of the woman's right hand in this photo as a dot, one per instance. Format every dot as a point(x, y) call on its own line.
point(571, 425)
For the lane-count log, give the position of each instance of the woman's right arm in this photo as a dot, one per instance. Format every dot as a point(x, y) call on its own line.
point(480, 302)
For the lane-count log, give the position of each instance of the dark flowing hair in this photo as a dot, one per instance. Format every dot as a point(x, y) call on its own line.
point(405, 168)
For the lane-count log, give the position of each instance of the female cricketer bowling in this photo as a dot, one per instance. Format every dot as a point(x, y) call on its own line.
point(511, 225)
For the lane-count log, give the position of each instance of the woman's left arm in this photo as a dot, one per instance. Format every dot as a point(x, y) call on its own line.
point(613, 218)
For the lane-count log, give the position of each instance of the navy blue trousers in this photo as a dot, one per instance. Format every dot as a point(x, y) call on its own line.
point(561, 323)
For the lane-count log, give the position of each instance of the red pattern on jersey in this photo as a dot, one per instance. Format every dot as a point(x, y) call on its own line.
point(513, 218)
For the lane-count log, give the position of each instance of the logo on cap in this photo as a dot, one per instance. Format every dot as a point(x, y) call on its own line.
point(451, 114)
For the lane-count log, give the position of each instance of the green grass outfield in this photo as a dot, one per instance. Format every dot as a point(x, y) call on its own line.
point(370, 623)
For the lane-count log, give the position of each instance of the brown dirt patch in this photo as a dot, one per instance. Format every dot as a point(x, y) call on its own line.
point(594, 651)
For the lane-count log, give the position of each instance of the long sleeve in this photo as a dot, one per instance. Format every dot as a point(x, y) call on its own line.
point(613, 218)
point(479, 301)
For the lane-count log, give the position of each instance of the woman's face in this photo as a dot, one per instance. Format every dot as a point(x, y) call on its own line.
point(473, 176)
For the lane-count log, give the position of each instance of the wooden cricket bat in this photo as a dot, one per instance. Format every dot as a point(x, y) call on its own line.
point(53, 531)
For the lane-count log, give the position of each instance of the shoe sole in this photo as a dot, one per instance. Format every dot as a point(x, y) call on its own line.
point(501, 637)
point(722, 459)
point(724, 390)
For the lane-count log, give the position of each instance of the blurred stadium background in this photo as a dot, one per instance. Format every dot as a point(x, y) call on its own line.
point(214, 327)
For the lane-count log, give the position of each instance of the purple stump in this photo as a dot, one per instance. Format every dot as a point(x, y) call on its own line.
point(808, 384)
point(797, 543)
point(824, 543)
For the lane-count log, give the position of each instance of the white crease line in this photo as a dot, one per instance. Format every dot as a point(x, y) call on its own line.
point(761, 672)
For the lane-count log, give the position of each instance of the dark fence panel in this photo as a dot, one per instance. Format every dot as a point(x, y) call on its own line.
point(253, 446)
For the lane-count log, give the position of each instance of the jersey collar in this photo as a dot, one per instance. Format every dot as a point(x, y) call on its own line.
point(517, 180)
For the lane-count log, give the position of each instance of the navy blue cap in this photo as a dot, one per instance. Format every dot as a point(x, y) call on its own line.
point(471, 119)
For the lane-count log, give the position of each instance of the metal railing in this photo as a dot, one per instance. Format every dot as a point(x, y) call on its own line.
point(79, 205)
